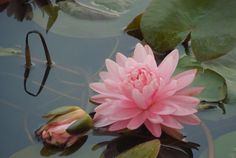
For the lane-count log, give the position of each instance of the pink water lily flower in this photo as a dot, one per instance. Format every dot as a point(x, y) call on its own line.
point(135, 91)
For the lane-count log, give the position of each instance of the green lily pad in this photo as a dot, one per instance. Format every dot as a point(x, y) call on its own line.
point(226, 66)
point(88, 24)
point(148, 149)
point(133, 28)
point(134, 24)
point(215, 88)
point(10, 51)
point(225, 146)
point(82, 125)
point(211, 23)
point(214, 84)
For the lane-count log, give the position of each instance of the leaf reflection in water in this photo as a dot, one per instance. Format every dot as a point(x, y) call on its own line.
point(23, 10)
point(82, 11)
point(129, 142)
point(119, 6)
point(50, 150)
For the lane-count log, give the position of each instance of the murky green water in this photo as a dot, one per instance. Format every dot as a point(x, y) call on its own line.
point(77, 62)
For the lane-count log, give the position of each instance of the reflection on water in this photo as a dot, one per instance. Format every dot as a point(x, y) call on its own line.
point(45, 76)
point(50, 150)
point(22, 9)
point(77, 61)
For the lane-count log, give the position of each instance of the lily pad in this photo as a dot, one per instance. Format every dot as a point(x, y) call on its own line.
point(214, 84)
point(211, 23)
point(10, 51)
point(148, 149)
point(226, 66)
point(84, 27)
point(225, 146)
point(133, 29)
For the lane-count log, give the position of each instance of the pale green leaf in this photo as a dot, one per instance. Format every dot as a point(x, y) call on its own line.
point(214, 84)
point(148, 149)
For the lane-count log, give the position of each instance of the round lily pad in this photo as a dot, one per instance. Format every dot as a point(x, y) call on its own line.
point(211, 23)
point(225, 146)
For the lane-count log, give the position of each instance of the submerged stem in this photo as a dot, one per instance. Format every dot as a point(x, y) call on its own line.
point(211, 149)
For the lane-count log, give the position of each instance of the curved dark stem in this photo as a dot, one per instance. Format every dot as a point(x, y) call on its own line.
point(29, 64)
point(27, 49)
point(26, 75)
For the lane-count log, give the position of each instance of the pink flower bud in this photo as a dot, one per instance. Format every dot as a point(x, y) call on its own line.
point(65, 126)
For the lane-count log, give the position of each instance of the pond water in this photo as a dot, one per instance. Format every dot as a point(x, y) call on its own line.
point(78, 59)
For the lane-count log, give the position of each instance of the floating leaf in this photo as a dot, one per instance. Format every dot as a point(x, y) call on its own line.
point(148, 149)
point(133, 28)
point(225, 146)
point(10, 51)
point(215, 88)
point(165, 24)
point(226, 66)
point(214, 84)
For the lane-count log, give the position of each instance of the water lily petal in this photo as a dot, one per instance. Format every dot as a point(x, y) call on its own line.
point(98, 87)
point(119, 125)
point(113, 69)
point(170, 121)
point(190, 91)
point(163, 108)
point(154, 118)
point(168, 65)
point(103, 121)
point(185, 78)
point(151, 63)
point(104, 75)
point(184, 101)
point(139, 99)
point(121, 59)
point(155, 129)
point(148, 50)
point(190, 119)
point(125, 113)
point(137, 121)
point(139, 53)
